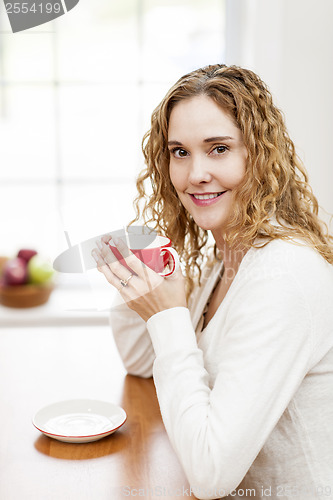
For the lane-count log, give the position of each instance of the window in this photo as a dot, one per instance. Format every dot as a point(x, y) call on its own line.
point(76, 96)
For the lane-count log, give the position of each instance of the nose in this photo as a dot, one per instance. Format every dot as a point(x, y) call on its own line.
point(199, 170)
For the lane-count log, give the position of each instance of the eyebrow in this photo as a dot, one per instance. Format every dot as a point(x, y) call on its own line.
point(209, 139)
point(220, 138)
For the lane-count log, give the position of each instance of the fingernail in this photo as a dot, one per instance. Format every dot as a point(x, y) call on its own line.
point(99, 244)
point(94, 254)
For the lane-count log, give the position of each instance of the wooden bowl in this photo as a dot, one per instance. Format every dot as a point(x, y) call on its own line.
point(25, 295)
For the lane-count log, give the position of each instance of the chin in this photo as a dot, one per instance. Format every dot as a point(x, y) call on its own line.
point(209, 225)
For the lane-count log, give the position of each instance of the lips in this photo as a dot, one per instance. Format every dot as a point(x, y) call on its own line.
point(205, 199)
point(206, 196)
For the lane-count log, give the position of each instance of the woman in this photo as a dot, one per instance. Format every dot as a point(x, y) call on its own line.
point(241, 348)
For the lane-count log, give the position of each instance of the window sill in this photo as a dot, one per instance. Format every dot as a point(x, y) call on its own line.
point(67, 306)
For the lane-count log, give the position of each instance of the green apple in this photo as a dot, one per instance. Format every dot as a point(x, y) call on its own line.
point(40, 270)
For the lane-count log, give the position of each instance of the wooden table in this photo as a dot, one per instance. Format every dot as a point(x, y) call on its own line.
point(42, 365)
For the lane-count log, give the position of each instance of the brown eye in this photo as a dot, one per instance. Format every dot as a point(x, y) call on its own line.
point(220, 149)
point(179, 152)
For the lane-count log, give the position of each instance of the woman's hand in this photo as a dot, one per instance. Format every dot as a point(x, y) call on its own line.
point(144, 291)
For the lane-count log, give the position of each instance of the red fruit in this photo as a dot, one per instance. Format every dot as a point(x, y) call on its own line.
point(26, 254)
point(15, 272)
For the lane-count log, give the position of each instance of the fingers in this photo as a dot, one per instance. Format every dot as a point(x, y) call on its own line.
point(106, 252)
point(103, 267)
point(106, 238)
point(112, 278)
point(132, 261)
point(108, 264)
point(111, 260)
point(176, 275)
point(142, 278)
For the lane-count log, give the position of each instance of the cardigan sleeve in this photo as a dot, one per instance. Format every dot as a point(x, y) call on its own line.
point(132, 340)
point(264, 351)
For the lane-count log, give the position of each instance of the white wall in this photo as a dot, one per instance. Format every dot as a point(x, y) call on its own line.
point(289, 43)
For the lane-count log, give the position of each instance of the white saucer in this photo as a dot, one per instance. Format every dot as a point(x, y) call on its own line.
point(79, 420)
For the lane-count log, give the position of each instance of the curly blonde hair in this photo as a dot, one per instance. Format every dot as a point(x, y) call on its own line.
point(275, 184)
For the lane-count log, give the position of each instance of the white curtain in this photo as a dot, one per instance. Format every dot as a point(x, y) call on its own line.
point(289, 43)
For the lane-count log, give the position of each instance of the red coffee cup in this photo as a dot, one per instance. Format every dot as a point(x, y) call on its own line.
point(156, 254)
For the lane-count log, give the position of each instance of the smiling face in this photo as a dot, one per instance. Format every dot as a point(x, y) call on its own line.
point(207, 161)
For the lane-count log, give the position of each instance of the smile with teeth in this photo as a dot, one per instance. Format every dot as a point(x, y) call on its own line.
point(207, 196)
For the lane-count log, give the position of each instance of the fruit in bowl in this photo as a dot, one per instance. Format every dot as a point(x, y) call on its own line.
point(15, 272)
point(25, 280)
